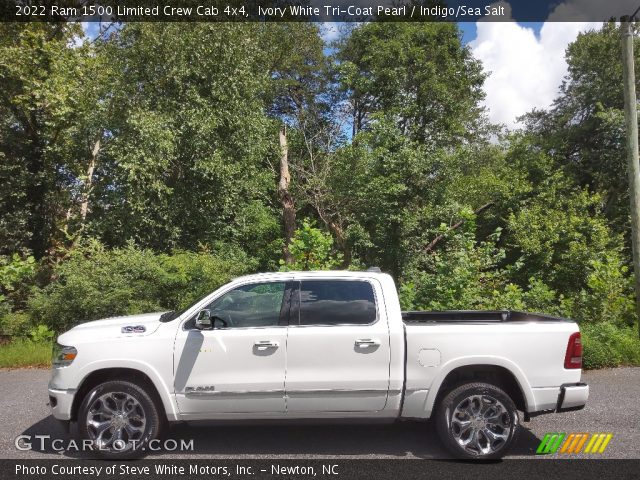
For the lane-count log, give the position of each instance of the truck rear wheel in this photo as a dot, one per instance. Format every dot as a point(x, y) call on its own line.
point(120, 419)
point(477, 421)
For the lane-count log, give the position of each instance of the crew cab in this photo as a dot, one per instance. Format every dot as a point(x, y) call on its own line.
point(315, 345)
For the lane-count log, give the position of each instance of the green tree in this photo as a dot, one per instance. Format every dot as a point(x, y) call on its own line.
point(186, 164)
point(394, 194)
point(584, 130)
point(418, 74)
point(300, 99)
point(42, 97)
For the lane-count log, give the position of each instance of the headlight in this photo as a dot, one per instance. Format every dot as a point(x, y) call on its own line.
point(62, 355)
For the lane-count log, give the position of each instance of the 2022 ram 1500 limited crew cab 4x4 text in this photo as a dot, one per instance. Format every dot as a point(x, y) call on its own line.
point(321, 345)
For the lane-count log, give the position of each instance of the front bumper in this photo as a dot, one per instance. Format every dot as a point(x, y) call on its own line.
point(61, 401)
point(573, 396)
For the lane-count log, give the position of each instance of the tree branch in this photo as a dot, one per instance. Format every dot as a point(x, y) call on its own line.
point(432, 244)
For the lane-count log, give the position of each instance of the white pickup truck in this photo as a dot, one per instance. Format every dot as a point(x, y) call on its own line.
point(320, 345)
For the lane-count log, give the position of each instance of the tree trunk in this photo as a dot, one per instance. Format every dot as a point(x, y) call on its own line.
point(341, 242)
point(84, 202)
point(288, 210)
point(36, 193)
point(338, 233)
point(354, 120)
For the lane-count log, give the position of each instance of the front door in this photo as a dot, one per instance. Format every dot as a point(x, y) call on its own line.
point(239, 365)
point(338, 348)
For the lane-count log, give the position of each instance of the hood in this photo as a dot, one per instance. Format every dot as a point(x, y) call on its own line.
point(114, 327)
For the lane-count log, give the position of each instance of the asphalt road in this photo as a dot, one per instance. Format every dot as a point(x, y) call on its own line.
point(614, 406)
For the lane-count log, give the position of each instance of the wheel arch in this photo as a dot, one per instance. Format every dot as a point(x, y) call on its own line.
point(499, 372)
point(133, 375)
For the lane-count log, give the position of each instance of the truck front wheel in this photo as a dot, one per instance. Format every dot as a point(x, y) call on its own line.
point(477, 421)
point(119, 418)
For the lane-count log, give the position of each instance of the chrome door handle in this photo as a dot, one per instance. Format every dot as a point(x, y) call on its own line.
point(265, 344)
point(367, 342)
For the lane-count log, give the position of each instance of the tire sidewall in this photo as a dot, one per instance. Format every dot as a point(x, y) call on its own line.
point(153, 422)
point(444, 413)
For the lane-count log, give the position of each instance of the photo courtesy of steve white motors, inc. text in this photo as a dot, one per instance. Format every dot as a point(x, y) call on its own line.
point(168, 469)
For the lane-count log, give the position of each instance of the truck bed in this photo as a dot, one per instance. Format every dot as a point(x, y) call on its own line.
point(476, 316)
point(439, 342)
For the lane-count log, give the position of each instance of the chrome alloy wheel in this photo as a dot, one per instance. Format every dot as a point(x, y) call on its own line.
point(116, 421)
point(481, 425)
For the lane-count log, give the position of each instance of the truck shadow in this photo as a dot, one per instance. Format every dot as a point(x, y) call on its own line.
point(54, 430)
point(214, 440)
point(407, 439)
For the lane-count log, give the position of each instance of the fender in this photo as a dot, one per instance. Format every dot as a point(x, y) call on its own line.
point(164, 392)
point(451, 365)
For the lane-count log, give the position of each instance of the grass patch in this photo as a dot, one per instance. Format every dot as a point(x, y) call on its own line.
point(25, 353)
point(607, 345)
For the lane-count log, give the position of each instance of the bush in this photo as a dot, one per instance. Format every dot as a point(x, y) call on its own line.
point(463, 275)
point(608, 295)
point(15, 324)
point(608, 345)
point(16, 276)
point(312, 249)
point(188, 276)
point(41, 334)
point(94, 283)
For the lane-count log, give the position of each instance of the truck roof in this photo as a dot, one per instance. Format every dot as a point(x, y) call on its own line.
point(311, 274)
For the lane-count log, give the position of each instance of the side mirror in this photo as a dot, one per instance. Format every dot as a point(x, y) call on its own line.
point(203, 320)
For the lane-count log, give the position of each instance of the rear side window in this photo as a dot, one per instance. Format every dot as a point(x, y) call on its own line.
point(335, 302)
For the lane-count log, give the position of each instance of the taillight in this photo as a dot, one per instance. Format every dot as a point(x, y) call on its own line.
point(573, 357)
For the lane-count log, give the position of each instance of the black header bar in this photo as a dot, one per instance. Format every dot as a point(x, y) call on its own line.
point(314, 10)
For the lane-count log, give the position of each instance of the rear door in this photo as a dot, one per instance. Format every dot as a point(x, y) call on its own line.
point(337, 348)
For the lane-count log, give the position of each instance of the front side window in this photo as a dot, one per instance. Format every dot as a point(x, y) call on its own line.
point(336, 302)
point(255, 305)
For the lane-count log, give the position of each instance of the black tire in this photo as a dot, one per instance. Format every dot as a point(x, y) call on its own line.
point(493, 438)
point(139, 414)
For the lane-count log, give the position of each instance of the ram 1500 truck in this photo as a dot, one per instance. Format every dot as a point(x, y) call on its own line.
point(315, 345)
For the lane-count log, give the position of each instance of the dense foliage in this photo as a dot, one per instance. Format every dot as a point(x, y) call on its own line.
point(95, 282)
point(143, 168)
